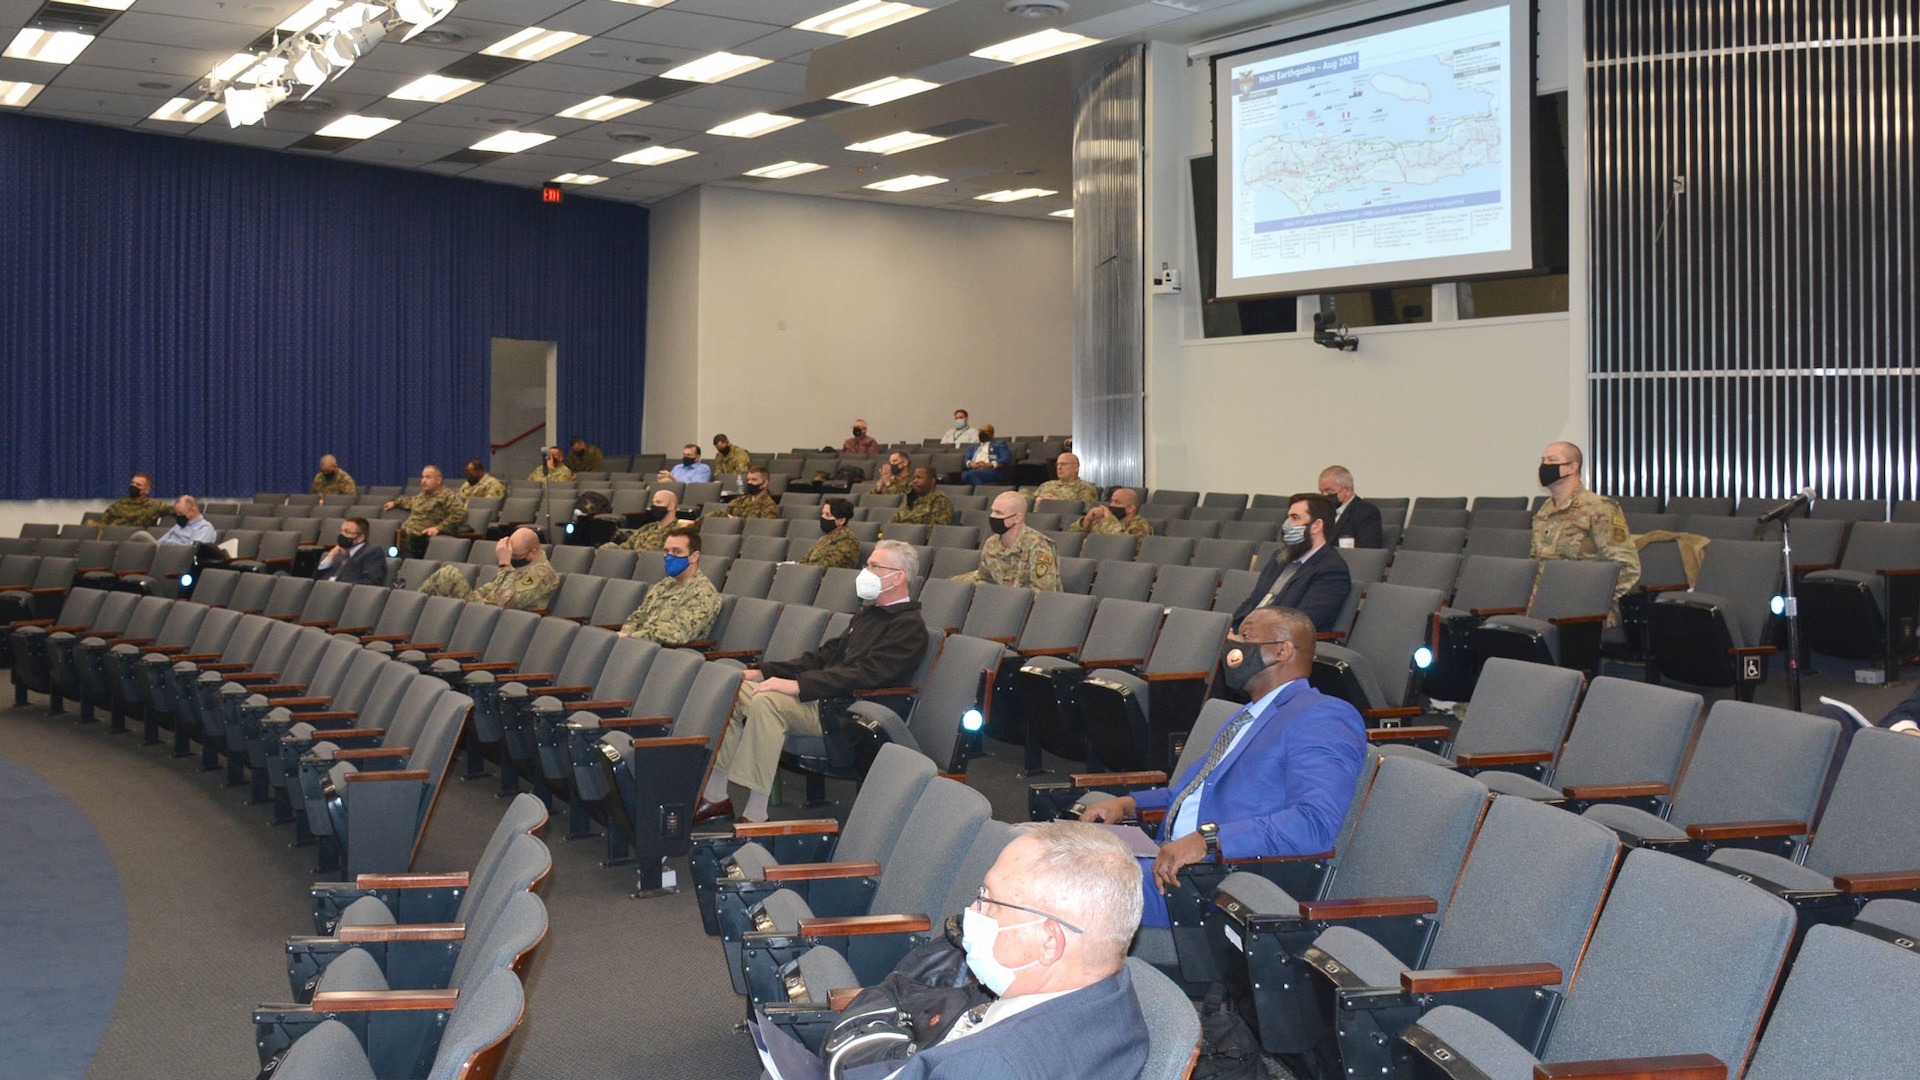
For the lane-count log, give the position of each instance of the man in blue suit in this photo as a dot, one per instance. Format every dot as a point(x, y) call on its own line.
point(1279, 776)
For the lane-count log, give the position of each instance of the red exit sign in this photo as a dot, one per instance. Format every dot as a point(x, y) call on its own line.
point(550, 193)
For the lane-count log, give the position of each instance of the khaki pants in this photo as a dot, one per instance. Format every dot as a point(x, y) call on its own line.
point(750, 750)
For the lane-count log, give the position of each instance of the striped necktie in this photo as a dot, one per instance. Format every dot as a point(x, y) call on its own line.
point(1218, 751)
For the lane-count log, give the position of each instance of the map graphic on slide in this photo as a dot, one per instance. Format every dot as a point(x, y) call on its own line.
point(1380, 149)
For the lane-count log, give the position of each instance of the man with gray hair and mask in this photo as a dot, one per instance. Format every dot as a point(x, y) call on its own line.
point(1048, 936)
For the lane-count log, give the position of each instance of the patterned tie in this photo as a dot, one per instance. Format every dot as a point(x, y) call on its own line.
point(1218, 751)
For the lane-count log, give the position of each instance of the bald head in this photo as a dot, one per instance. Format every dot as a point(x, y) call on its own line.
point(1126, 502)
point(1284, 638)
point(525, 543)
point(1011, 507)
point(1066, 467)
point(665, 499)
point(328, 465)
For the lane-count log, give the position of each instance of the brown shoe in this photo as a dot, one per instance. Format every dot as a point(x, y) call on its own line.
point(706, 811)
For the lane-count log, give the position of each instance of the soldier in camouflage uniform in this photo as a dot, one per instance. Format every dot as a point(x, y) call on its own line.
point(1575, 523)
point(332, 479)
point(1066, 484)
point(925, 504)
point(680, 607)
point(1121, 515)
point(585, 457)
point(139, 509)
point(895, 476)
point(481, 484)
point(526, 582)
point(1015, 554)
point(663, 517)
point(839, 547)
point(728, 458)
point(434, 511)
point(555, 468)
point(756, 503)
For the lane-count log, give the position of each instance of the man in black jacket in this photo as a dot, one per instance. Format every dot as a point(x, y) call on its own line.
point(882, 647)
point(1308, 574)
point(1356, 522)
point(352, 559)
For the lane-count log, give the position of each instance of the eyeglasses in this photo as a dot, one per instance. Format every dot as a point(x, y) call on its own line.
point(983, 898)
point(880, 569)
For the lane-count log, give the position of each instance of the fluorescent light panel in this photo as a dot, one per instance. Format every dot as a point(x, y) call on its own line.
point(1014, 194)
point(1022, 50)
point(17, 94)
point(645, 3)
point(356, 127)
point(534, 43)
point(896, 142)
point(907, 183)
point(232, 66)
point(433, 88)
point(784, 169)
point(308, 16)
point(582, 179)
point(48, 46)
point(107, 5)
point(603, 108)
point(753, 126)
point(881, 91)
point(1067, 213)
point(187, 111)
point(715, 67)
point(860, 17)
point(655, 155)
point(511, 142)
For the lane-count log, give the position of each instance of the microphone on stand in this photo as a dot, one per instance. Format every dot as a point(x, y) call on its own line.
point(1787, 509)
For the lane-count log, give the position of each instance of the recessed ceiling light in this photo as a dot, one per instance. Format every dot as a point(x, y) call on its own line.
point(17, 94)
point(603, 108)
point(109, 5)
point(881, 91)
point(784, 169)
point(1067, 213)
point(1022, 50)
point(356, 127)
point(1014, 194)
point(48, 46)
point(583, 179)
point(655, 155)
point(534, 43)
point(511, 142)
point(895, 143)
point(859, 17)
point(754, 126)
point(187, 111)
point(308, 15)
point(433, 88)
point(232, 66)
point(645, 3)
point(714, 67)
point(907, 183)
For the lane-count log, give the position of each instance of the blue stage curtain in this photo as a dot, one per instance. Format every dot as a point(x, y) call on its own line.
point(222, 316)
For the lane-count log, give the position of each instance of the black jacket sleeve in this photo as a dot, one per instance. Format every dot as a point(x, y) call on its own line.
point(1362, 522)
point(882, 647)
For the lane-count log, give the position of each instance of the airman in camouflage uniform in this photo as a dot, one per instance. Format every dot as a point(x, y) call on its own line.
point(652, 536)
point(1067, 483)
point(527, 587)
point(481, 484)
point(755, 504)
point(555, 469)
point(728, 458)
point(674, 611)
point(434, 511)
point(584, 457)
point(1122, 516)
point(925, 504)
point(138, 509)
point(839, 547)
point(1020, 556)
point(1575, 523)
point(332, 479)
point(895, 476)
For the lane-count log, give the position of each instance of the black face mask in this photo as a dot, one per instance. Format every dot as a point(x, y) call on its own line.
point(345, 541)
point(519, 563)
point(998, 525)
point(1117, 510)
point(755, 489)
point(653, 514)
point(1549, 474)
point(688, 460)
point(858, 432)
point(1252, 662)
point(722, 449)
point(827, 525)
point(180, 520)
point(984, 437)
point(134, 492)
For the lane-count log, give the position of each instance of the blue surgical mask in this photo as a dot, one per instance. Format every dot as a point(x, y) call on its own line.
point(677, 565)
point(1292, 533)
point(978, 932)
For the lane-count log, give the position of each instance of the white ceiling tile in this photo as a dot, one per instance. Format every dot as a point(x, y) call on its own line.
point(666, 26)
point(776, 12)
point(181, 33)
point(788, 44)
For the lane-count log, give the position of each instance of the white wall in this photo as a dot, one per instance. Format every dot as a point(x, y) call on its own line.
point(779, 319)
point(1442, 409)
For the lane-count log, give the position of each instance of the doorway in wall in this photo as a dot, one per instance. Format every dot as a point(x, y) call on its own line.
point(523, 417)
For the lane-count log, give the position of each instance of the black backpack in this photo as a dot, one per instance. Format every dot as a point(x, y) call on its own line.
point(912, 1009)
point(1228, 1048)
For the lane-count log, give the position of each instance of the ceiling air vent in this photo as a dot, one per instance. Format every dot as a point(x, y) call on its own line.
point(1037, 9)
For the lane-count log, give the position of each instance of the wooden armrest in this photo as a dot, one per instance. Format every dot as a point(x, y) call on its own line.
point(464, 654)
point(1104, 779)
point(864, 924)
point(492, 665)
point(538, 676)
point(455, 880)
point(420, 646)
point(1513, 757)
point(636, 721)
point(1677, 587)
point(1752, 650)
point(329, 716)
point(1003, 640)
point(887, 691)
point(384, 1000)
point(1484, 612)
point(1671, 1067)
point(1176, 676)
point(281, 688)
point(1904, 572)
point(230, 665)
point(592, 706)
point(1730, 830)
point(1391, 714)
point(395, 638)
point(1367, 907)
point(266, 677)
point(31, 622)
point(316, 622)
point(839, 999)
point(276, 562)
point(1061, 650)
point(1417, 731)
point(348, 733)
point(379, 777)
point(663, 742)
point(117, 640)
point(291, 702)
point(817, 871)
point(1484, 977)
point(1153, 814)
point(1330, 635)
point(52, 629)
point(1251, 860)
point(1572, 620)
point(753, 830)
point(168, 650)
point(733, 654)
point(696, 643)
point(356, 631)
point(52, 590)
point(1127, 663)
point(1882, 881)
point(1617, 791)
point(408, 932)
point(368, 752)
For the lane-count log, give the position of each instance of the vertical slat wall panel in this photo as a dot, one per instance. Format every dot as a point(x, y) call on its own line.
point(1753, 325)
point(221, 316)
point(1109, 331)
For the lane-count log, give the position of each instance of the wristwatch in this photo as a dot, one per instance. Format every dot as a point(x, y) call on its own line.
point(1210, 832)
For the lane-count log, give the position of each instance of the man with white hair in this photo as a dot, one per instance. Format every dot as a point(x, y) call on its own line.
point(1048, 936)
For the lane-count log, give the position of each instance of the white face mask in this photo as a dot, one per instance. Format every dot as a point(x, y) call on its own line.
point(1293, 533)
point(978, 933)
point(866, 585)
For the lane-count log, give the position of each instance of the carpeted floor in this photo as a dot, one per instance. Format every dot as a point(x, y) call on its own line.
point(621, 987)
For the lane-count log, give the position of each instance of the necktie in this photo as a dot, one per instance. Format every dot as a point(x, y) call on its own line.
point(1286, 575)
point(1218, 751)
